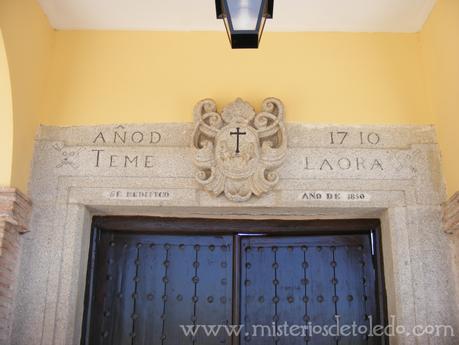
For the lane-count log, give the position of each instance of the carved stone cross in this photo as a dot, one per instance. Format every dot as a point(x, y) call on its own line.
point(238, 133)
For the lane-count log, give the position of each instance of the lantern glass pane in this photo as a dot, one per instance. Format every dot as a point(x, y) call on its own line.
point(244, 13)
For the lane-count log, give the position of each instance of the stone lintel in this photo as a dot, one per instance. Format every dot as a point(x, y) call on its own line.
point(15, 208)
point(451, 215)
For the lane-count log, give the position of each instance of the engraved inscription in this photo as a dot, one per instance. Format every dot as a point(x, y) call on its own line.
point(334, 196)
point(343, 163)
point(102, 159)
point(139, 194)
point(121, 136)
point(364, 138)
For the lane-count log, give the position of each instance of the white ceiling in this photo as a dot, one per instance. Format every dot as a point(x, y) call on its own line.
point(197, 15)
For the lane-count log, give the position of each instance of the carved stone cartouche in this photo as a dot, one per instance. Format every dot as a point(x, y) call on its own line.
point(239, 151)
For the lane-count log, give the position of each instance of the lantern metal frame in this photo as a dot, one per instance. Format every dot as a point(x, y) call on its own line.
point(244, 39)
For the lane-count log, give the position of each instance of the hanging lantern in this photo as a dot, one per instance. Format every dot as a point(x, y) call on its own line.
point(244, 20)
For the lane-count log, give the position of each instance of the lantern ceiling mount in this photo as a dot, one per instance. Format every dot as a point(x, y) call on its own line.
point(244, 20)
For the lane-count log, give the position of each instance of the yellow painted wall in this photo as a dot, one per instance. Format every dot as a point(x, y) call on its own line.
point(72, 78)
point(28, 41)
point(440, 55)
point(6, 119)
point(107, 77)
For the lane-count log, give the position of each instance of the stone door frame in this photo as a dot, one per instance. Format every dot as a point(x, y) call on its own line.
point(417, 256)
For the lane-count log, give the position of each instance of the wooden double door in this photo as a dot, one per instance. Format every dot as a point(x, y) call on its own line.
point(215, 279)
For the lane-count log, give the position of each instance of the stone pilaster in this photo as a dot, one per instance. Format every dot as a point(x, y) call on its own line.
point(14, 216)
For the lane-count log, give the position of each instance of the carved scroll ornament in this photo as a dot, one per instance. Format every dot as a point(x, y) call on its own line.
point(239, 151)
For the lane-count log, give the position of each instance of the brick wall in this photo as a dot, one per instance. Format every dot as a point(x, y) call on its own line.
point(14, 216)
